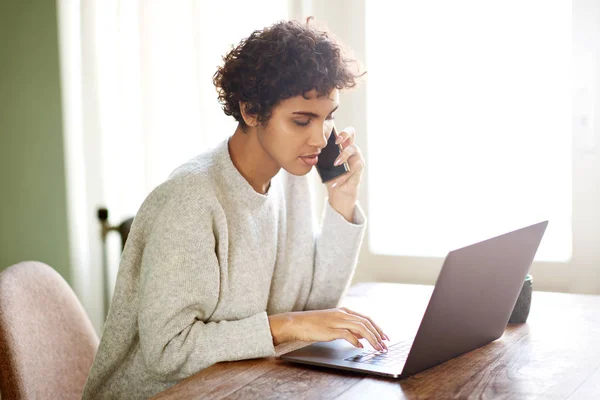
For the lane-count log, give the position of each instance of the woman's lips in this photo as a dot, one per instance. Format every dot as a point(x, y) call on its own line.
point(310, 160)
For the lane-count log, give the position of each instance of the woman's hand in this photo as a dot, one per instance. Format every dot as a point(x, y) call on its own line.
point(343, 190)
point(325, 326)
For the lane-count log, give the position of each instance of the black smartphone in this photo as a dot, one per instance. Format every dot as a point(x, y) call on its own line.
point(325, 166)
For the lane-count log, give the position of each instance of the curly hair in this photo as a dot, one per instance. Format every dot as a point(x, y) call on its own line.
point(283, 60)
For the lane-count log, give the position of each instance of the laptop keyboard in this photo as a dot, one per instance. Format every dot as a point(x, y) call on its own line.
point(395, 355)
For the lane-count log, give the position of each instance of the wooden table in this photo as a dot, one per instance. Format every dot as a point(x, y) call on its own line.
point(555, 355)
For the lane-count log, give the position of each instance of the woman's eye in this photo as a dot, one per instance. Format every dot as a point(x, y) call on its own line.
point(331, 117)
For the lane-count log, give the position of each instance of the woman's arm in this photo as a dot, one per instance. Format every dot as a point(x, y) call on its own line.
point(338, 244)
point(336, 255)
point(179, 290)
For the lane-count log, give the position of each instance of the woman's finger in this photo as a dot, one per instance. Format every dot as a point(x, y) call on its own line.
point(369, 319)
point(345, 155)
point(346, 137)
point(346, 335)
point(356, 163)
point(356, 166)
point(371, 329)
point(370, 335)
point(357, 334)
point(365, 326)
point(341, 180)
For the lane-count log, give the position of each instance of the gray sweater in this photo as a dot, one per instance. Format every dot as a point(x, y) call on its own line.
point(207, 259)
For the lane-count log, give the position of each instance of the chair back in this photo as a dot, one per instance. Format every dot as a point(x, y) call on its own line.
point(47, 342)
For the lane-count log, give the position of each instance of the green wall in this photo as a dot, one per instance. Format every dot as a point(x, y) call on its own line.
point(33, 214)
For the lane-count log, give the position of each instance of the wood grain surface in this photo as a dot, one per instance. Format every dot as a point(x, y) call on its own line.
point(555, 355)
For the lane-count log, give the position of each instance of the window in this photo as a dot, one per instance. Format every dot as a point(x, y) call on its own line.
point(469, 124)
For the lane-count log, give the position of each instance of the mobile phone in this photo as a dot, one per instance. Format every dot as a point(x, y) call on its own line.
point(325, 166)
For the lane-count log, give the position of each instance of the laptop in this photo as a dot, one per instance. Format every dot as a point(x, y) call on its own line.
point(473, 298)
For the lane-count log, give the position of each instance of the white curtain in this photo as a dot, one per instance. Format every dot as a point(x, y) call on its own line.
point(138, 101)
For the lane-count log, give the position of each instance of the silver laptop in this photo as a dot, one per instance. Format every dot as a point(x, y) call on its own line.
point(473, 298)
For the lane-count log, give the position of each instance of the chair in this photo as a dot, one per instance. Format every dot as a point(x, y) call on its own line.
point(123, 228)
point(47, 342)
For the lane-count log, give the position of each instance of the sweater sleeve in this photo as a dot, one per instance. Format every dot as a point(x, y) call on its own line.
point(336, 255)
point(179, 291)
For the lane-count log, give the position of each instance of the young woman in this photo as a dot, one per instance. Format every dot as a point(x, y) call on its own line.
point(222, 262)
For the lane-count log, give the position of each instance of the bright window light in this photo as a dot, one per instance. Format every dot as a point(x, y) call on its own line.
point(469, 124)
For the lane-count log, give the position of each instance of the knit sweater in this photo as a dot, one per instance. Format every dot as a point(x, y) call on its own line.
point(206, 261)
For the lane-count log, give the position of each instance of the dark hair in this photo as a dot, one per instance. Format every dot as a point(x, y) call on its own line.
point(283, 60)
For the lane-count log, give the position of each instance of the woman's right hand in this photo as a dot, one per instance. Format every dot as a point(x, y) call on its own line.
point(325, 326)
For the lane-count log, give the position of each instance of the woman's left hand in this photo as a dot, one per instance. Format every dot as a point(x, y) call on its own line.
point(343, 190)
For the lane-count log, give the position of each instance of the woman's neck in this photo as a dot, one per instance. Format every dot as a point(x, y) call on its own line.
point(251, 160)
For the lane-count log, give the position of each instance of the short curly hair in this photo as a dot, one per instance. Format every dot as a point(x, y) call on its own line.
point(283, 60)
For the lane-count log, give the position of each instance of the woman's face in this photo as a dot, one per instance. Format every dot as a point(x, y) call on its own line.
point(298, 127)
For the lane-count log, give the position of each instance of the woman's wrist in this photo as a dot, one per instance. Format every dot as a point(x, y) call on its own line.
point(280, 324)
point(345, 207)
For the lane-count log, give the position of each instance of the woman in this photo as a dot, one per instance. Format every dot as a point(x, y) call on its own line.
point(222, 262)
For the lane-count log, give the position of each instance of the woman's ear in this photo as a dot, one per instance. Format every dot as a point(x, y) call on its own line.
point(249, 119)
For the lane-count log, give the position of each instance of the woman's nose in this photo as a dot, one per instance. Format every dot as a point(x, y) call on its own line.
point(319, 138)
